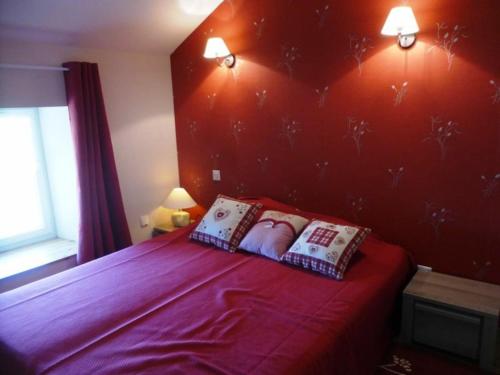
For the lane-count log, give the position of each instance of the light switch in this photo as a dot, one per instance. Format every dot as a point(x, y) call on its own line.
point(144, 221)
point(216, 174)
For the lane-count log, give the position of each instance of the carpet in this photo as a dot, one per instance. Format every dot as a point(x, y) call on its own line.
point(406, 360)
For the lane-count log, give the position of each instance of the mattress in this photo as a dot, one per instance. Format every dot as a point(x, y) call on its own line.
point(173, 306)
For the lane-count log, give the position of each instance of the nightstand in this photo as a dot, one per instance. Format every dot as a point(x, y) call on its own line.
point(452, 314)
point(162, 229)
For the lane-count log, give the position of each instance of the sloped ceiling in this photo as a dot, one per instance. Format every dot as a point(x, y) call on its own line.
point(150, 26)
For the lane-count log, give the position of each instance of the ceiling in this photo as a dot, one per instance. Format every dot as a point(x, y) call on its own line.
point(150, 26)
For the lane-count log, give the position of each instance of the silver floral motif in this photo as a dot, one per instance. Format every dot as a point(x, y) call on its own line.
point(322, 14)
point(442, 133)
point(491, 185)
point(212, 98)
point(197, 184)
point(208, 33)
point(263, 162)
point(189, 68)
point(358, 46)
point(232, 8)
point(241, 188)
point(237, 69)
point(237, 128)
point(495, 98)
point(193, 128)
point(356, 205)
point(323, 95)
point(289, 130)
point(447, 39)
point(259, 26)
point(356, 130)
point(399, 94)
point(436, 217)
point(292, 195)
point(215, 160)
point(396, 174)
point(322, 167)
point(398, 366)
point(289, 56)
point(261, 98)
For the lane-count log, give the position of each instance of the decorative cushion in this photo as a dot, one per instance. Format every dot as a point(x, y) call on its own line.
point(326, 248)
point(273, 233)
point(225, 223)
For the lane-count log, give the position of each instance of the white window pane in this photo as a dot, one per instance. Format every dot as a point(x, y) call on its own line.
point(21, 209)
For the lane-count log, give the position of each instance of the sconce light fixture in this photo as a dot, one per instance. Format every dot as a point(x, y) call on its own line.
point(401, 22)
point(217, 49)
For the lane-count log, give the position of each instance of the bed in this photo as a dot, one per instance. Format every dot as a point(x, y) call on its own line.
point(173, 306)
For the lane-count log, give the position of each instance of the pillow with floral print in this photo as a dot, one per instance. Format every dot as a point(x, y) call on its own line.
point(225, 223)
point(326, 247)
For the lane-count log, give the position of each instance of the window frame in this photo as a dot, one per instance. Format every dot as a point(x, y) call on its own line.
point(49, 230)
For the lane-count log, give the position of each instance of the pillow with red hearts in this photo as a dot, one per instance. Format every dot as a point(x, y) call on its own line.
point(226, 223)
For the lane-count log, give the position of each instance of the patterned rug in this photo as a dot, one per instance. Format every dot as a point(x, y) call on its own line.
point(404, 360)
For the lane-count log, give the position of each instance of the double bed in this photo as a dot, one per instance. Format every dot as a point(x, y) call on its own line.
point(174, 306)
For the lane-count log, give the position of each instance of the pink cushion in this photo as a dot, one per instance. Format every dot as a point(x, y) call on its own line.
point(273, 234)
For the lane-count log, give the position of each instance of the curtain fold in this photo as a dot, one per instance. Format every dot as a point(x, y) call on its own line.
point(103, 225)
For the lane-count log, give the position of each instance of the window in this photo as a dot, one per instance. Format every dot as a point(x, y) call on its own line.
point(26, 214)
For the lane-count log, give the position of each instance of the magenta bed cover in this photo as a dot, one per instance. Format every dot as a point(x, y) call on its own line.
point(172, 306)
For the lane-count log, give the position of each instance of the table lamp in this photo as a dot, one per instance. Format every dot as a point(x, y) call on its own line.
point(179, 199)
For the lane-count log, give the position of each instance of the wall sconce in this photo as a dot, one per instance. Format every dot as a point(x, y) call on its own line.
point(401, 22)
point(217, 49)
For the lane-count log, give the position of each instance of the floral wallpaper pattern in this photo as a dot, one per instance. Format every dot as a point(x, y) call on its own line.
point(324, 113)
point(447, 38)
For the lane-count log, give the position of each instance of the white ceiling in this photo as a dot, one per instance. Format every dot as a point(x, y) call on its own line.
point(152, 26)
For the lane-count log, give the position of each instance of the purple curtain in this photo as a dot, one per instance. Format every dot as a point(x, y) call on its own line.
point(103, 225)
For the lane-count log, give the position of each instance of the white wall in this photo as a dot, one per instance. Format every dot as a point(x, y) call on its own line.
point(137, 91)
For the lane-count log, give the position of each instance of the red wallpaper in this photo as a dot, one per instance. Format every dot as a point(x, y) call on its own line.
point(323, 112)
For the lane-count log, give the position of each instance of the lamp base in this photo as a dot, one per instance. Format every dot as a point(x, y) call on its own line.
point(180, 218)
point(406, 41)
point(230, 61)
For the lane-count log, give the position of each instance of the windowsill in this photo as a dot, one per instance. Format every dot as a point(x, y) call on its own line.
point(26, 258)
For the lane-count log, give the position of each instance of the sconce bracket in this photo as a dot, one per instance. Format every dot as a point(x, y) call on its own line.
point(406, 41)
point(230, 61)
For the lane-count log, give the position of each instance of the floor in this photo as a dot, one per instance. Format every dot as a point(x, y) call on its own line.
point(19, 260)
point(404, 360)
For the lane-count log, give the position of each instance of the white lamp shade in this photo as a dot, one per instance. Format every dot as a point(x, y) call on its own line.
point(216, 48)
point(400, 21)
point(179, 198)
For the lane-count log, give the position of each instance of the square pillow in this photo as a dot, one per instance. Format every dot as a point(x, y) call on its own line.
point(225, 223)
point(273, 234)
point(326, 248)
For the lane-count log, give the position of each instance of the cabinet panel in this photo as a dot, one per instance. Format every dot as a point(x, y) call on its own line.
point(447, 329)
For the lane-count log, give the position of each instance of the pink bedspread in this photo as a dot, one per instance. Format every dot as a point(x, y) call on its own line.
point(170, 306)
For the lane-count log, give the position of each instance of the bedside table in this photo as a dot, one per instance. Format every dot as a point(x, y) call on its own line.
point(453, 314)
point(162, 229)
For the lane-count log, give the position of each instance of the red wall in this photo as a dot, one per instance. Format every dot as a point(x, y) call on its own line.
point(300, 121)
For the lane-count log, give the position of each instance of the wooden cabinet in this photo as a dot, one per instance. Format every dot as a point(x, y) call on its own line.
point(452, 314)
point(159, 230)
